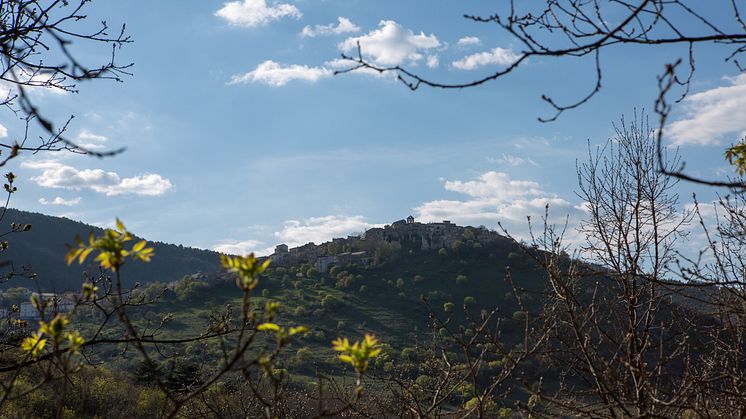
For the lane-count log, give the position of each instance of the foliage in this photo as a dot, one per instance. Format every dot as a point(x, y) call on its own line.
point(359, 354)
point(110, 246)
point(736, 156)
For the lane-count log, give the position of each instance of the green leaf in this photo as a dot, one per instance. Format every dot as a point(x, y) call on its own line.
point(268, 327)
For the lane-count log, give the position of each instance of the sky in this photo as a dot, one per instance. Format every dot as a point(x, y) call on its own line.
point(239, 136)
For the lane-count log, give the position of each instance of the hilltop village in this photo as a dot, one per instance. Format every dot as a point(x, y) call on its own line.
point(373, 245)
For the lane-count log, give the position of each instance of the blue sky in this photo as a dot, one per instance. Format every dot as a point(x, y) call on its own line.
point(239, 137)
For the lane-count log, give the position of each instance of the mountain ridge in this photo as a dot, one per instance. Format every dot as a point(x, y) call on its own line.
point(42, 250)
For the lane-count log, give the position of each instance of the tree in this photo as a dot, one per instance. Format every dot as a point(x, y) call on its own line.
point(715, 277)
point(583, 30)
point(36, 38)
point(621, 339)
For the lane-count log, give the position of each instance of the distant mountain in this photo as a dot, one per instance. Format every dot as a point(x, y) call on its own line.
point(42, 249)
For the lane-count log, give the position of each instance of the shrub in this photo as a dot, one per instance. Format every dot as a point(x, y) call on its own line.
point(343, 281)
point(188, 288)
point(329, 301)
point(461, 279)
point(409, 354)
point(303, 355)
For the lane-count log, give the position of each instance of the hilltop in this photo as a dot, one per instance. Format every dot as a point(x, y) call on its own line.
point(377, 245)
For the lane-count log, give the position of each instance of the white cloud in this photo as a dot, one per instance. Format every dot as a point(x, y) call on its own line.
point(243, 247)
point(344, 25)
point(3, 131)
point(60, 201)
point(274, 74)
point(321, 229)
point(89, 140)
point(711, 115)
point(468, 41)
point(57, 175)
point(149, 184)
point(391, 44)
point(433, 61)
point(252, 13)
point(495, 197)
point(498, 56)
point(512, 160)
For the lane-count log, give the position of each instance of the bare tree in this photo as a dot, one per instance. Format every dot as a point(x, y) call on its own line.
point(618, 344)
point(587, 29)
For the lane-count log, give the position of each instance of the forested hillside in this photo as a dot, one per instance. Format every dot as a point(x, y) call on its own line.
point(42, 250)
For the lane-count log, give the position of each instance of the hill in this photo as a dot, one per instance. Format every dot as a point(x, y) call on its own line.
point(42, 250)
point(395, 299)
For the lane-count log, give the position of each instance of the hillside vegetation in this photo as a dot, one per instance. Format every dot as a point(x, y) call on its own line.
point(41, 250)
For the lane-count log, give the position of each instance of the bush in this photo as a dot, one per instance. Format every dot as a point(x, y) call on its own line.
point(461, 279)
point(303, 355)
point(329, 301)
point(343, 280)
point(448, 307)
point(188, 288)
point(300, 311)
point(409, 354)
point(469, 300)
